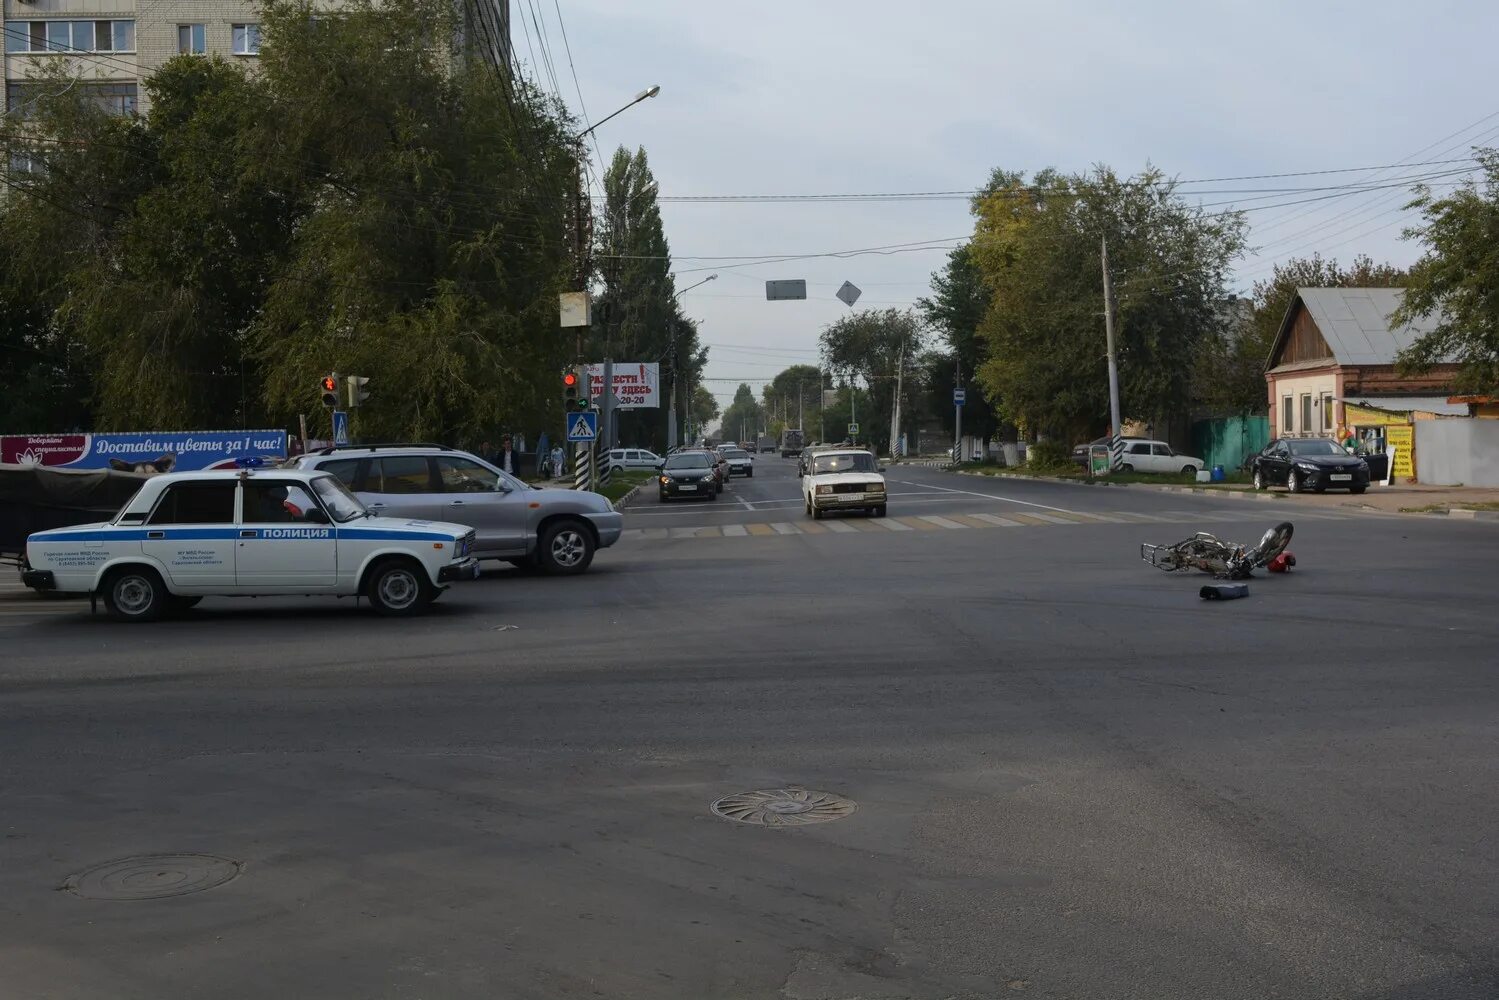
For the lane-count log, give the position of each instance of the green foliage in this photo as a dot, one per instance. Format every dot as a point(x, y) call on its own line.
point(955, 310)
point(744, 417)
point(868, 344)
point(704, 409)
point(799, 384)
point(359, 204)
point(1047, 455)
point(1457, 279)
point(1037, 248)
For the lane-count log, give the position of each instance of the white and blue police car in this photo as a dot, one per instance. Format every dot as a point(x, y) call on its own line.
point(189, 535)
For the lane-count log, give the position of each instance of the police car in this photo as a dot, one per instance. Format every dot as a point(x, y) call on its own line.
point(190, 535)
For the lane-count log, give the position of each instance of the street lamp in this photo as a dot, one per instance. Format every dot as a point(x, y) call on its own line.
point(671, 412)
point(651, 91)
point(691, 287)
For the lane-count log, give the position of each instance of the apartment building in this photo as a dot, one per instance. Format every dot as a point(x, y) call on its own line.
point(113, 45)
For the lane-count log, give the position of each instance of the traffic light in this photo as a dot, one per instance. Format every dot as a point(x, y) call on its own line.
point(573, 396)
point(355, 384)
point(329, 388)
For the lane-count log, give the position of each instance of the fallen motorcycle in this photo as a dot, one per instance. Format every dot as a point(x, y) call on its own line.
point(1224, 560)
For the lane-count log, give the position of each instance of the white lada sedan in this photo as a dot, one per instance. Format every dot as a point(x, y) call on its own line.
point(190, 535)
point(843, 479)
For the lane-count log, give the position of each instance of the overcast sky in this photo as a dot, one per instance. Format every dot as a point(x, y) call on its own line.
point(822, 97)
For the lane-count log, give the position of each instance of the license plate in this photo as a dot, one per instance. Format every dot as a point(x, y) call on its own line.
point(1343, 478)
point(686, 489)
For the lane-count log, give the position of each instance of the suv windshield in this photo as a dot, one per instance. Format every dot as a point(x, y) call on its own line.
point(860, 462)
point(697, 460)
point(1316, 448)
point(343, 505)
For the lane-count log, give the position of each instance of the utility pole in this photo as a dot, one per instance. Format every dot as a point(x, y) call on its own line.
point(853, 392)
point(799, 394)
point(1116, 429)
point(900, 369)
point(957, 413)
point(822, 418)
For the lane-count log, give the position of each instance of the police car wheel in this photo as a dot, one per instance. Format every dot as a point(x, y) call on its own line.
point(135, 594)
point(398, 587)
point(566, 547)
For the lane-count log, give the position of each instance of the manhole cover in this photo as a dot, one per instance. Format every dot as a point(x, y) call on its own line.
point(152, 876)
point(783, 807)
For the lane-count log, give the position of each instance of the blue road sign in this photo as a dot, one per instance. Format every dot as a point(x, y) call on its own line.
point(582, 426)
point(959, 396)
point(340, 427)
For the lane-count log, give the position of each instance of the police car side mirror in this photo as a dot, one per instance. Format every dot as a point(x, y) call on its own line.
point(315, 516)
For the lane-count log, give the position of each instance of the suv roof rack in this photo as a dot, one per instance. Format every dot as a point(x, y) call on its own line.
point(384, 444)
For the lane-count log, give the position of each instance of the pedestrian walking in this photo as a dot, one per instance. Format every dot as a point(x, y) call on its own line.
point(506, 458)
point(559, 462)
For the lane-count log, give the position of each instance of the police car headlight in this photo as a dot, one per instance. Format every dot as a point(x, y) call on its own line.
point(824, 489)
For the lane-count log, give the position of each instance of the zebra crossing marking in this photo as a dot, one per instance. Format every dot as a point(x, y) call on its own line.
point(941, 522)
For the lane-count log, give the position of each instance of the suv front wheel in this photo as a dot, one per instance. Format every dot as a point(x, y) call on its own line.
point(566, 547)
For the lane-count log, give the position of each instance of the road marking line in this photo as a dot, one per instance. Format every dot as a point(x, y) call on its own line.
point(863, 524)
point(734, 531)
point(742, 502)
point(1138, 518)
point(838, 526)
point(812, 528)
point(1003, 522)
point(970, 521)
point(1105, 518)
point(760, 529)
point(785, 528)
point(918, 524)
point(892, 524)
point(986, 496)
point(942, 522)
point(683, 532)
point(1029, 520)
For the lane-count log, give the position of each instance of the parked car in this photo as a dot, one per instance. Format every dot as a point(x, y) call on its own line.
point(1157, 456)
point(557, 531)
point(189, 535)
point(843, 479)
point(688, 474)
point(1309, 464)
point(634, 458)
point(740, 461)
point(1080, 451)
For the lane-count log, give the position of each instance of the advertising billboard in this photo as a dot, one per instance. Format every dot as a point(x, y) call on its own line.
point(154, 451)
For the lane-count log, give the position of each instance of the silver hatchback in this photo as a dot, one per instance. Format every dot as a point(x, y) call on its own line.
point(557, 531)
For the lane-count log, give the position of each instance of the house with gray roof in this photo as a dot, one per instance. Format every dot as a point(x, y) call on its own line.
point(1337, 348)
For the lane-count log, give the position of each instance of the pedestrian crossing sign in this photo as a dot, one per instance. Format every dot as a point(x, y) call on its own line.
point(582, 426)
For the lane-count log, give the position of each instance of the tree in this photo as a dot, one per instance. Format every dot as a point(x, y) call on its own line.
point(1457, 281)
point(794, 392)
point(1037, 249)
point(743, 418)
point(869, 345)
point(955, 310)
point(704, 410)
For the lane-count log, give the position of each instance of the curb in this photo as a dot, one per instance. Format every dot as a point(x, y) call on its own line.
point(1461, 514)
point(624, 501)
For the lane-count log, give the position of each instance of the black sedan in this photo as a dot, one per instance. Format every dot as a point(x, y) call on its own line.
point(1301, 464)
point(688, 474)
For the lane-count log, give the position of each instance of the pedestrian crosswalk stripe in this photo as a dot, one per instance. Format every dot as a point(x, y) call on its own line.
point(1003, 522)
point(1143, 517)
point(1029, 518)
point(941, 522)
point(1090, 516)
point(891, 524)
point(760, 529)
point(969, 520)
point(1053, 518)
point(784, 528)
point(840, 526)
point(812, 528)
point(734, 531)
point(918, 524)
point(863, 524)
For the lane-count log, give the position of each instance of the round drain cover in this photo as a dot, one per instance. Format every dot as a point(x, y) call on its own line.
point(783, 807)
point(152, 876)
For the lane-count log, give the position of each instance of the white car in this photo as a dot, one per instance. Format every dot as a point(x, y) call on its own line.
point(741, 462)
point(634, 458)
point(189, 535)
point(1157, 456)
point(843, 479)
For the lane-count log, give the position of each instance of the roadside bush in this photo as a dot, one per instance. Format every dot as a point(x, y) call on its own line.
point(1046, 455)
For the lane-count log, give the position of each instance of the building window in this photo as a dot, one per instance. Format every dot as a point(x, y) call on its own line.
point(1287, 415)
point(1327, 411)
point(1306, 413)
point(115, 98)
point(24, 163)
point(247, 39)
point(70, 36)
point(192, 38)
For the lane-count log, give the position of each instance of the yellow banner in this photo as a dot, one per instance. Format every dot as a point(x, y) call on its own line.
point(1401, 438)
point(1360, 417)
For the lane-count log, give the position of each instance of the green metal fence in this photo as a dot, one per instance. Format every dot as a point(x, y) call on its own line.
point(1228, 441)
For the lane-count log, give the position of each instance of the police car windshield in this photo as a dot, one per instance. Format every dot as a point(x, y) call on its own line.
point(343, 505)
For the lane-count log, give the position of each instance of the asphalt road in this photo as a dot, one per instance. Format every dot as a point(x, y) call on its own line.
point(1072, 777)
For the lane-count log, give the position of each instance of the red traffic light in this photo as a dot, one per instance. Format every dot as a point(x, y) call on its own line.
point(570, 379)
point(330, 384)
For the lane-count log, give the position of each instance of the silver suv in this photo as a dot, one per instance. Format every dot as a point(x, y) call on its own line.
point(557, 531)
